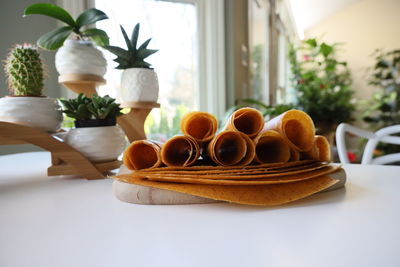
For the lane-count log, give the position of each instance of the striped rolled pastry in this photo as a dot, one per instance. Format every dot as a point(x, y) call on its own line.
point(180, 151)
point(247, 120)
point(271, 147)
point(202, 126)
point(142, 154)
point(320, 151)
point(296, 127)
point(228, 148)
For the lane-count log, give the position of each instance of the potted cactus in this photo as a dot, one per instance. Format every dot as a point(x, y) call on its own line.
point(95, 134)
point(139, 82)
point(25, 104)
point(78, 55)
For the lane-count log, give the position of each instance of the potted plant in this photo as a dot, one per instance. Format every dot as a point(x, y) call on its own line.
point(76, 56)
point(139, 81)
point(383, 109)
point(26, 104)
point(322, 84)
point(95, 134)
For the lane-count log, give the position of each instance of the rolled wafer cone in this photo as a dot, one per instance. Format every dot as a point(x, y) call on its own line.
point(294, 155)
point(142, 154)
point(250, 151)
point(271, 147)
point(247, 120)
point(296, 127)
point(181, 150)
point(202, 126)
point(320, 151)
point(227, 148)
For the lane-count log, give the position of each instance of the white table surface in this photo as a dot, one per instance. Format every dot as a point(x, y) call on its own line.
point(64, 221)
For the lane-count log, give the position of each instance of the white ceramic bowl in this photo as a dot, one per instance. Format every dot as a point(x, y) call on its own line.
point(139, 85)
point(43, 113)
point(80, 57)
point(97, 144)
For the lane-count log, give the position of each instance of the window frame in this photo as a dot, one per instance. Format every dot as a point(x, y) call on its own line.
point(211, 50)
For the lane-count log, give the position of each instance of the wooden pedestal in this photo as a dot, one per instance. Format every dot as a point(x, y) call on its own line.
point(81, 83)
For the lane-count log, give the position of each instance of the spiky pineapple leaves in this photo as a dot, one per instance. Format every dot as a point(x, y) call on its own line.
point(133, 57)
point(55, 39)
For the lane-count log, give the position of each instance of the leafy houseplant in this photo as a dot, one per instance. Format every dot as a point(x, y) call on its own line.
point(96, 135)
point(77, 56)
point(322, 84)
point(26, 104)
point(92, 112)
point(138, 81)
point(55, 39)
point(384, 108)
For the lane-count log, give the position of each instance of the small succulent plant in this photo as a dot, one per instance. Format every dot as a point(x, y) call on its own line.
point(24, 71)
point(85, 108)
point(133, 57)
point(55, 39)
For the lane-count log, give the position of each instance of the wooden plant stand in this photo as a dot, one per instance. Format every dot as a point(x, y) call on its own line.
point(65, 159)
point(81, 83)
point(133, 122)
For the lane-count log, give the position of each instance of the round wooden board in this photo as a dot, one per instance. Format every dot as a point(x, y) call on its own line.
point(138, 194)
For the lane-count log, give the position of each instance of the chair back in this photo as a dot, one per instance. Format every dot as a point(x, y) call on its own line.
point(384, 135)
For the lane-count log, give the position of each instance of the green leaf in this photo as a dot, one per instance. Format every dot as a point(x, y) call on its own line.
point(98, 36)
point(311, 42)
point(50, 10)
point(145, 53)
point(90, 16)
point(326, 49)
point(119, 52)
point(127, 41)
point(54, 39)
point(135, 35)
point(145, 44)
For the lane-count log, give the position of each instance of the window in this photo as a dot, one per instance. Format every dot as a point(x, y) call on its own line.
point(258, 46)
point(173, 27)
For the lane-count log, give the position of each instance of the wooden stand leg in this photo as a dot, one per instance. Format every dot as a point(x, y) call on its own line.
point(133, 123)
point(60, 150)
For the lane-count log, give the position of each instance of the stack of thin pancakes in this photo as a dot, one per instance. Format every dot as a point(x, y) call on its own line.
point(249, 162)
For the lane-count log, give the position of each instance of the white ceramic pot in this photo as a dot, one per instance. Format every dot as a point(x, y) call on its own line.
point(39, 112)
point(80, 57)
point(139, 85)
point(97, 144)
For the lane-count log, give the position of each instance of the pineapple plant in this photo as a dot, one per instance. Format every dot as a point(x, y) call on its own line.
point(24, 71)
point(135, 56)
point(26, 104)
point(139, 82)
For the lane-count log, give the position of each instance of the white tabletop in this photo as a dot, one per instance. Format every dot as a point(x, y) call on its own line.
point(60, 221)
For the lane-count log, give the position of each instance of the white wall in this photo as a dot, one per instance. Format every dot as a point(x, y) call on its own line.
point(362, 27)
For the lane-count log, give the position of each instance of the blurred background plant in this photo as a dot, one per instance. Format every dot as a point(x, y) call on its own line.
point(383, 109)
point(322, 84)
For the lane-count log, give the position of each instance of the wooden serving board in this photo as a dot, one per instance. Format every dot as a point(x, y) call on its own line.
point(138, 194)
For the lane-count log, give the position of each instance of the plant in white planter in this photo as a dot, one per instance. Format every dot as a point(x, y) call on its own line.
point(25, 104)
point(79, 55)
point(95, 134)
point(139, 82)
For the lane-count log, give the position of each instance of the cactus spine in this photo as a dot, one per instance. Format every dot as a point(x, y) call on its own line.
point(24, 71)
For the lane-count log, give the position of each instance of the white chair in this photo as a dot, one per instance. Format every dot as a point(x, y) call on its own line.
point(383, 135)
